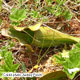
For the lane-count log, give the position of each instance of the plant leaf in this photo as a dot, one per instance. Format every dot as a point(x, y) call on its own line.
point(17, 15)
point(8, 65)
point(58, 75)
point(41, 36)
point(67, 15)
point(71, 64)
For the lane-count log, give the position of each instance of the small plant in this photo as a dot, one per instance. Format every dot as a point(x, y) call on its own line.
point(7, 61)
point(17, 15)
point(70, 61)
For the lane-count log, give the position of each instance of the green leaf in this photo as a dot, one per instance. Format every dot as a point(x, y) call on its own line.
point(55, 10)
point(35, 14)
point(58, 75)
point(9, 59)
point(67, 15)
point(59, 12)
point(3, 51)
point(71, 64)
point(1, 71)
point(11, 44)
point(8, 65)
point(51, 9)
point(35, 27)
point(22, 36)
point(46, 36)
point(14, 67)
point(17, 15)
point(41, 36)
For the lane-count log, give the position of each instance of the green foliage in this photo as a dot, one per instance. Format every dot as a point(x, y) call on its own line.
point(39, 11)
point(8, 65)
point(70, 61)
point(59, 10)
point(49, 2)
point(67, 15)
point(55, 10)
point(7, 58)
point(35, 14)
point(17, 15)
point(61, 2)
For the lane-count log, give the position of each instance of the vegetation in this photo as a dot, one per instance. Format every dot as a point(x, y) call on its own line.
point(70, 61)
point(7, 60)
point(44, 31)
